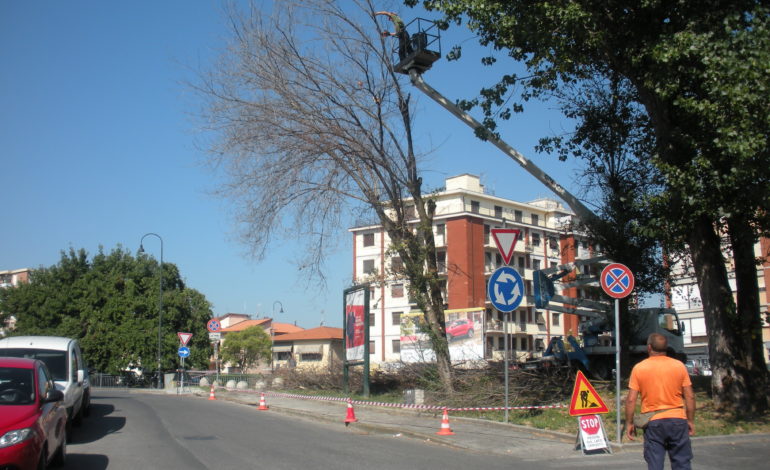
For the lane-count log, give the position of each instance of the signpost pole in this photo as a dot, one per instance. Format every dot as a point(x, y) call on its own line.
point(617, 369)
point(506, 349)
point(617, 281)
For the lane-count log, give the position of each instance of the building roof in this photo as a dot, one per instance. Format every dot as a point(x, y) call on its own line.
point(240, 326)
point(286, 328)
point(320, 333)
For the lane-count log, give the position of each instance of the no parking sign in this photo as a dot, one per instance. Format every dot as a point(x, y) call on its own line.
point(617, 280)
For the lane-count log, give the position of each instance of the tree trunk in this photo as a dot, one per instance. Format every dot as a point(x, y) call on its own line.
point(730, 381)
point(742, 238)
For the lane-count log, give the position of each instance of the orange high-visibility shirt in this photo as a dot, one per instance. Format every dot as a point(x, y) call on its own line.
point(659, 380)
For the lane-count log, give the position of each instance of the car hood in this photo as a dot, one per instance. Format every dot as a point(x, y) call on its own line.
point(16, 417)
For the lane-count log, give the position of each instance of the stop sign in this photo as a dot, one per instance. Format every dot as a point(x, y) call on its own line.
point(589, 424)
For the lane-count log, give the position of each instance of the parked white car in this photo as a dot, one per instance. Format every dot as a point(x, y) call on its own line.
point(64, 360)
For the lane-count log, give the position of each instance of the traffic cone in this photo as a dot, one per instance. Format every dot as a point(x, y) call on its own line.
point(211, 395)
point(445, 429)
point(351, 417)
point(262, 403)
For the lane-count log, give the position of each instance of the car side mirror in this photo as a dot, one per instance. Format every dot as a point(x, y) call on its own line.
point(53, 395)
point(81, 376)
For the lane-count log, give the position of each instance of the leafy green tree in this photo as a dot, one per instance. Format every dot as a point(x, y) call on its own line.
point(245, 348)
point(110, 304)
point(698, 70)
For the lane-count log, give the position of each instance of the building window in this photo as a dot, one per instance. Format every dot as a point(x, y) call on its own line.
point(553, 243)
point(440, 229)
point(396, 318)
point(368, 239)
point(535, 239)
point(535, 219)
point(555, 319)
point(498, 212)
point(396, 265)
point(283, 355)
point(486, 234)
point(311, 357)
point(397, 290)
point(517, 216)
point(536, 264)
point(475, 207)
point(441, 262)
point(396, 345)
point(411, 213)
point(369, 266)
point(371, 319)
point(371, 347)
point(522, 262)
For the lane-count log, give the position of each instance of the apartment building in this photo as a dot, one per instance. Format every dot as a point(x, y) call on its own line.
point(467, 256)
point(683, 295)
point(12, 278)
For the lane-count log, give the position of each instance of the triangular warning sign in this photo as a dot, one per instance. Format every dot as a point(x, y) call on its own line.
point(585, 400)
point(184, 337)
point(505, 239)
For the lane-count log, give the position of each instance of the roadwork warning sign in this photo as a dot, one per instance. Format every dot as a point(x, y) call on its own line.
point(585, 400)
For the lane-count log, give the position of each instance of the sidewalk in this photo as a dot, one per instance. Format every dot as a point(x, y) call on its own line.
point(470, 434)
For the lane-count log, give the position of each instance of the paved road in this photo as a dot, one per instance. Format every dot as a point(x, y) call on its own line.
point(130, 430)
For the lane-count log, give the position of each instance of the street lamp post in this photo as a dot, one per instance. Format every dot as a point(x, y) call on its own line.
point(272, 333)
point(160, 296)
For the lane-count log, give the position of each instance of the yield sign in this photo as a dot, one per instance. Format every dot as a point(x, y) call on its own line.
point(585, 400)
point(505, 239)
point(184, 338)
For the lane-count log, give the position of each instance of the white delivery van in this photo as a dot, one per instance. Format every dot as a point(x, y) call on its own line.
point(64, 361)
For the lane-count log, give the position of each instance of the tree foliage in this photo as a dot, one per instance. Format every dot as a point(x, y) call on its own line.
point(699, 72)
point(110, 304)
point(245, 348)
point(311, 124)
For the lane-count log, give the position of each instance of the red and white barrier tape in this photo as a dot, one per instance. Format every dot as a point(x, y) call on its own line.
point(403, 405)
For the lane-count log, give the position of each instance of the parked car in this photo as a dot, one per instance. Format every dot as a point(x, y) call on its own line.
point(64, 360)
point(698, 367)
point(459, 328)
point(33, 420)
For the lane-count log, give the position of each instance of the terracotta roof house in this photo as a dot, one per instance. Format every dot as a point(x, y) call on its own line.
point(313, 348)
point(242, 325)
point(234, 322)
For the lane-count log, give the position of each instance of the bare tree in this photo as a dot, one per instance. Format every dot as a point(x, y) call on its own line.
point(312, 122)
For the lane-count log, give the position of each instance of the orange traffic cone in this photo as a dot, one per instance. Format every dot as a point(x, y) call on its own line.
point(262, 403)
point(351, 417)
point(445, 429)
point(211, 395)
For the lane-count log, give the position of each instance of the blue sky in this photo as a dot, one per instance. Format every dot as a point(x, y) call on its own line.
point(98, 147)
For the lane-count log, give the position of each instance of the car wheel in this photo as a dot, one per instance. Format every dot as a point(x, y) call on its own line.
point(60, 457)
point(41, 465)
point(78, 419)
point(87, 405)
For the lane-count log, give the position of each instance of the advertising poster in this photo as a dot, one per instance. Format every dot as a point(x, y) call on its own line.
point(464, 329)
point(355, 333)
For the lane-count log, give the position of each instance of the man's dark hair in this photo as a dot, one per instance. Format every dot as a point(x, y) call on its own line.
point(657, 342)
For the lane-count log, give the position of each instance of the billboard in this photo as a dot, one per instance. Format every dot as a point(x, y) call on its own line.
point(355, 324)
point(465, 334)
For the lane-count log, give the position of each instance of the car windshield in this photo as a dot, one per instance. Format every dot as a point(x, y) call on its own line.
point(16, 386)
point(55, 360)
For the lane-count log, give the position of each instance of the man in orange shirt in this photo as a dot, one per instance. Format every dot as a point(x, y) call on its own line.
point(666, 388)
